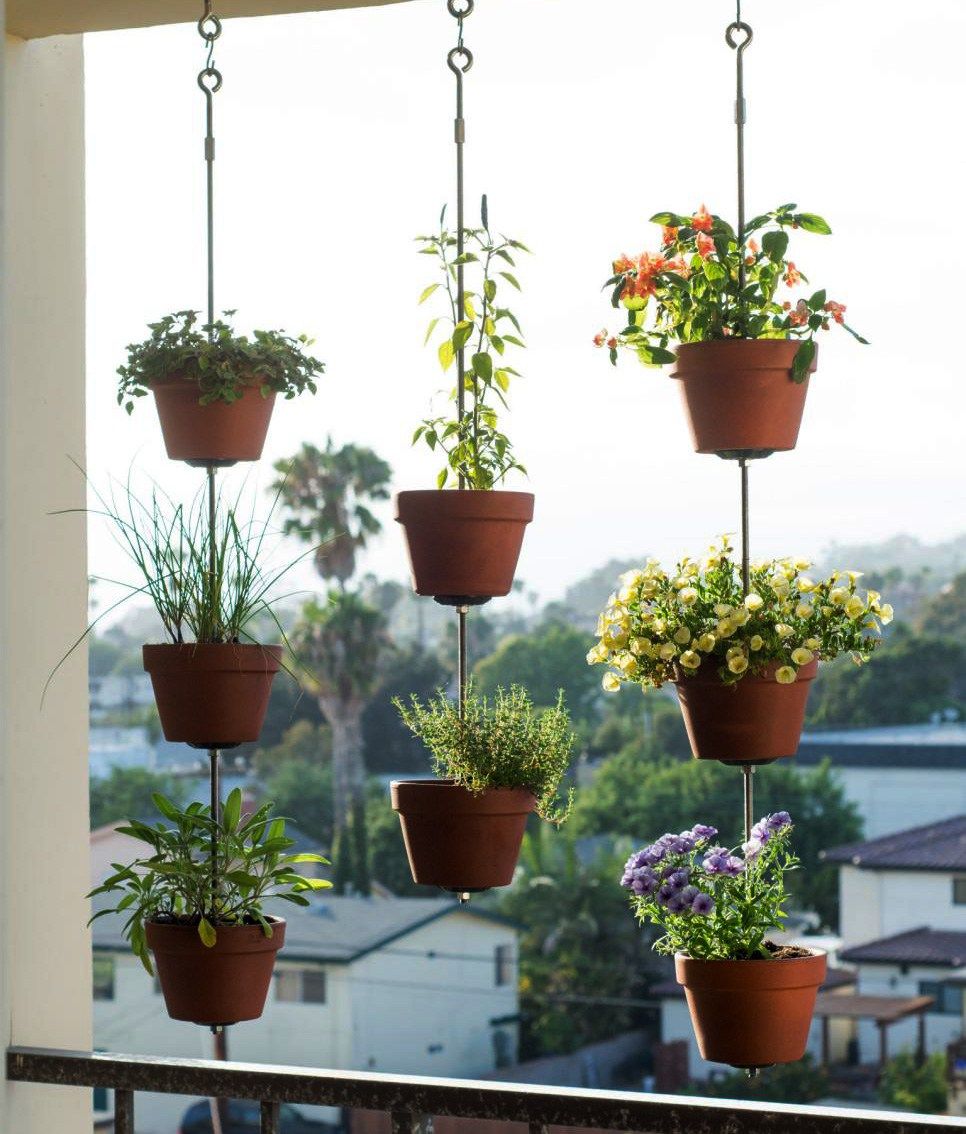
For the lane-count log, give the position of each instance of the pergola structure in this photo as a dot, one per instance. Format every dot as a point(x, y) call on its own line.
point(884, 1011)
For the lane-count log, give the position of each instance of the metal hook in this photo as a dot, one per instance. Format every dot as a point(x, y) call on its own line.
point(210, 73)
point(209, 27)
point(746, 32)
point(459, 8)
point(459, 68)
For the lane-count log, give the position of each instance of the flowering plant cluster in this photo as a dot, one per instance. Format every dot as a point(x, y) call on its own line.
point(712, 902)
point(663, 626)
point(474, 446)
point(699, 292)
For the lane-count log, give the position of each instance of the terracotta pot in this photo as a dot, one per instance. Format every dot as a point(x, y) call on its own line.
point(223, 984)
point(463, 545)
point(212, 696)
point(739, 395)
point(754, 721)
point(219, 433)
point(457, 840)
point(751, 1013)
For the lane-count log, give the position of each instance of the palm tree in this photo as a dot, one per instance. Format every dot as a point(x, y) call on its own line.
point(328, 493)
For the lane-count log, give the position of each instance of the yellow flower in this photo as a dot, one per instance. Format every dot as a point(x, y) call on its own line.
point(640, 647)
point(779, 584)
point(738, 664)
point(725, 628)
point(690, 660)
point(706, 643)
point(838, 596)
point(627, 664)
point(611, 682)
point(802, 564)
point(803, 610)
point(805, 584)
point(801, 656)
point(872, 598)
point(828, 610)
point(688, 596)
point(632, 578)
point(740, 616)
point(756, 642)
point(783, 630)
point(785, 675)
point(597, 654)
point(854, 576)
point(754, 601)
point(855, 607)
point(722, 609)
point(734, 651)
point(682, 635)
point(627, 594)
point(813, 643)
point(658, 625)
point(615, 636)
point(667, 651)
point(886, 613)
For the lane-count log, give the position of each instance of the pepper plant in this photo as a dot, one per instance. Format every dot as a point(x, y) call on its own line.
point(205, 871)
point(704, 286)
point(474, 445)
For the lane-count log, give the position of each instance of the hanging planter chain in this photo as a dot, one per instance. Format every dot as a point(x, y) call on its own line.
point(459, 59)
point(738, 36)
point(209, 80)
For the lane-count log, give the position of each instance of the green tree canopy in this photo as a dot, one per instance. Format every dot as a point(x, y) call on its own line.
point(642, 802)
point(304, 742)
point(302, 792)
point(126, 794)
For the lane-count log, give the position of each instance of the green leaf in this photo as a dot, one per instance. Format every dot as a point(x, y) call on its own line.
point(502, 380)
point(206, 932)
point(432, 327)
point(803, 360)
point(489, 290)
point(428, 291)
point(511, 279)
point(671, 220)
point(446, 353)
point(775, 244)
point(441, 478)
point(468, 309)
point(817, 301)
point(462, 335)
point(483, 366)
point(231, 812)
point(811, 222)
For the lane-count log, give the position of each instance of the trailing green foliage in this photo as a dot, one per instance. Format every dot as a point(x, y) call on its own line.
point(500, 744)
point(221, 363)
point(205, 871)
point(473, 444)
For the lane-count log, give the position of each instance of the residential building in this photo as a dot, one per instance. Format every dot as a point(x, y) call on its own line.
point(418, 986)
point(111, 747)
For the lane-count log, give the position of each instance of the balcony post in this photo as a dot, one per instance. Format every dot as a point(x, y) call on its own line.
point(45, 960)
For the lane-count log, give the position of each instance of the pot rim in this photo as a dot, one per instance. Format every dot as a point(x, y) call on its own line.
point(211, 657)
point(273, 920)
point(438, 792)
point(765, 974)
point(493, 504)
point(813, 952)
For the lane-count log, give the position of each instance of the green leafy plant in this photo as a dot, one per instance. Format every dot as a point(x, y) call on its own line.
point(918, 1086)
point(700, 292)
point(220, 362)
point(473, 444)
point(662, 625)
point(205, 871)
point(712, 902)
point(503, 743)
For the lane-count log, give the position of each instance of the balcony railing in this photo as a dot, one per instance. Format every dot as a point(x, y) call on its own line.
point(412, 1101)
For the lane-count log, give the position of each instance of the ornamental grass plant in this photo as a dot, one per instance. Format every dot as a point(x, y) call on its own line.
point(664, 626)
point(503, 743)
point(713, 902)
point(703, 286)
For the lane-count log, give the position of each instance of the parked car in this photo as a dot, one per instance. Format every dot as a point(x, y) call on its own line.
point(244, 1117)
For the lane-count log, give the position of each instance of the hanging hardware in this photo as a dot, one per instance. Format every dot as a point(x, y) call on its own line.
point(459, 59)
point(738, 37)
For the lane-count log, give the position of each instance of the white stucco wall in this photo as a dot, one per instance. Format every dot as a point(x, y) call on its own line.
point(897, 799)
point(44, 943)
point(881, 903)
point(890, 980)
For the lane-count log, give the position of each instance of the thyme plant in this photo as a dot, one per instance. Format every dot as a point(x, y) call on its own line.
point(505, 743)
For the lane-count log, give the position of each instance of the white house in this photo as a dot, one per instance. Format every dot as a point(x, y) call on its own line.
point(903, 923)
point(420, 986)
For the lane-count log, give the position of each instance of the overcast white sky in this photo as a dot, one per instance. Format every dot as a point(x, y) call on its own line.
point(335, 148)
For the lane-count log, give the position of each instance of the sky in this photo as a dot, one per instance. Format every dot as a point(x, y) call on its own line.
point(335, 148)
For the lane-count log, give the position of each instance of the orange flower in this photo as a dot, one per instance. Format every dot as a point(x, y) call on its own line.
point(799, 317)
point(702, 221)
point(705, 245)
point(612, 343)
point(792, 274)
point(600, 338)
point(836, 310)
point(640, 276)
point(678, 266)
point(668, 234)
point(623, 264)
point(753, 246)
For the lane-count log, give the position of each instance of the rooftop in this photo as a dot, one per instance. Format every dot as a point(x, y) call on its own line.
point(937, 846)
point(923, 946)
point(337, 930)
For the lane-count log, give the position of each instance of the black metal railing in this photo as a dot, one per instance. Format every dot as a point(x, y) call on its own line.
point(412, 1101)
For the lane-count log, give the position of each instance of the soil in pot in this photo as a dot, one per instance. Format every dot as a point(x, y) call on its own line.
point(754, 721)
point(457, 840)
point(222, 984)
point(739, 395)
point(463, 546)
point(215, 434)
point(752, 1013)
point(212, 695)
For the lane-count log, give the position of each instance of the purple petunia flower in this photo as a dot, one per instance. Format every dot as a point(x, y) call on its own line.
point(679, 879)
point(676, 903)
point(703, 905)
point(703, 831)
point(777, 821)
point(688, 894)
point(665, 894)
point(644, 881)
point(753, 848)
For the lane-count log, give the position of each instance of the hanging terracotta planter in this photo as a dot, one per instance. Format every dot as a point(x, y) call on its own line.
point(221, 984)
point(219, 433)
point(463, 546)
point(457, 840)
point(754, 721)
point(212, 695)
point(751, 1013)
point(739, 395)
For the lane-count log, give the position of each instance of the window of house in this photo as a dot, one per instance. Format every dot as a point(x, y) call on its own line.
point(103, 978)
point(503, 956)
point(959, 891)
point(948, 997)
point(300, 986)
